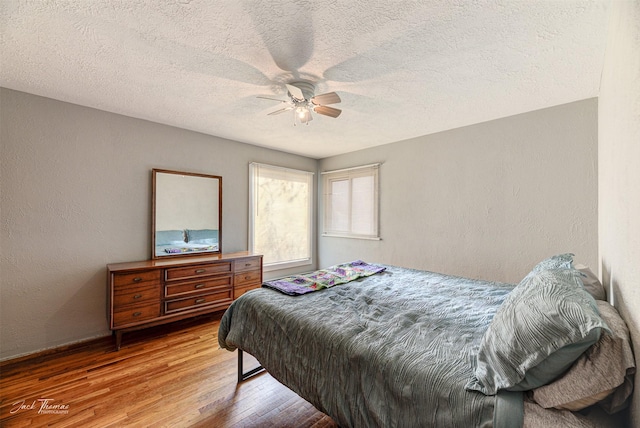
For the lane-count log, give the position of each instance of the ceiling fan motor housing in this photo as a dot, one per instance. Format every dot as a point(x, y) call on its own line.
point(307, 88)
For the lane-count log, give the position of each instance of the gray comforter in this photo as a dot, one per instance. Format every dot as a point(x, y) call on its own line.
point(391, 350)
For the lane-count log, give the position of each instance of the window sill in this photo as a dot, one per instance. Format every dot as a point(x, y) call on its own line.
point(285, 265)
point(366, 238)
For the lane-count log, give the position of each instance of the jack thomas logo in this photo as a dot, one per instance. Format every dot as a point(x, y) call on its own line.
point(44, 406)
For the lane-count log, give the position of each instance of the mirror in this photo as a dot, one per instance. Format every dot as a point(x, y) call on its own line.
point(186, 214)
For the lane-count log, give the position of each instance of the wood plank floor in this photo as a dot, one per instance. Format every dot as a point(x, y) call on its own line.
point(166, 376)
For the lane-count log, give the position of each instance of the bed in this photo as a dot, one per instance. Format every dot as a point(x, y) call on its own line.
point(405, 347)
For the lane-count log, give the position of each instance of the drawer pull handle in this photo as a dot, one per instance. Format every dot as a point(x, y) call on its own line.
point(200, 300)
point(198, 286)
point(137, 296)
point(137, 279)
point(201, 270)
point(247, 277)
point(137, 314)
point(247, 264)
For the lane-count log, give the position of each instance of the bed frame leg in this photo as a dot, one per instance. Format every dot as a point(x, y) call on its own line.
point(244, 376)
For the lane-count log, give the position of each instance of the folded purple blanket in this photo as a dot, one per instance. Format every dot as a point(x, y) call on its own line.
point(323, 278)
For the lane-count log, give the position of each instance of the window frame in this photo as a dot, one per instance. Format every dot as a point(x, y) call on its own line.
point(253, 195)
point(350, 174)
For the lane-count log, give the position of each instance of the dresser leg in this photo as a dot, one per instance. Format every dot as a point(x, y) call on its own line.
point(118, 334)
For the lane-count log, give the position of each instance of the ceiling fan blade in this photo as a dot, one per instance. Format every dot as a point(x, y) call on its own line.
point(324, 99)
point(268, 98)
point(295, 92)
point(282, 110)
point(328, 111)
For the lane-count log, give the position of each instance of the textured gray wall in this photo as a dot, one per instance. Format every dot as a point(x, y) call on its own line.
point(619, 172)
point(76, 195)
point(484, 201)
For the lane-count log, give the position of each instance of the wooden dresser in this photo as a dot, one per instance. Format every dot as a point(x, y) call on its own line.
point(147, 293)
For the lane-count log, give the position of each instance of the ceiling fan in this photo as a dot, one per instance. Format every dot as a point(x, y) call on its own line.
point(302, 101)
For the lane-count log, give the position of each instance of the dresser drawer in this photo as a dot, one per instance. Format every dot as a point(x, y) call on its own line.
point(122, 280)
point(248, 263)
point(131, 295)
point(134, 314)
point(201, 286)
point(239, 291)
point(221, 298)
point(197, 270)
point(248, 278)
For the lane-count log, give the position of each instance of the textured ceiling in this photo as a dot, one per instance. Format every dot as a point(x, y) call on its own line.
point(402, 68)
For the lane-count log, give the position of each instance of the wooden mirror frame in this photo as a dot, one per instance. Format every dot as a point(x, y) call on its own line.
point(195, 222)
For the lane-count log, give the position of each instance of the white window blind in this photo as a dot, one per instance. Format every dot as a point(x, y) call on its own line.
point(281, 207)
point(351, 202)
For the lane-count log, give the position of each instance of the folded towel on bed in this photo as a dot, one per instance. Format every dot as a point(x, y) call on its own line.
point(323, 278)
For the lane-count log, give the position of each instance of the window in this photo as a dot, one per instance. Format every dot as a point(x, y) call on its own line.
point(280, 210)
point(351, 202)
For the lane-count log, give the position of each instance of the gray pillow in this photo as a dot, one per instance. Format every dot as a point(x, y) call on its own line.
point(202, 236)
point(169, 237)
point(542, 327)
point(591, 283)
point(605, 370)
point(560, 261)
